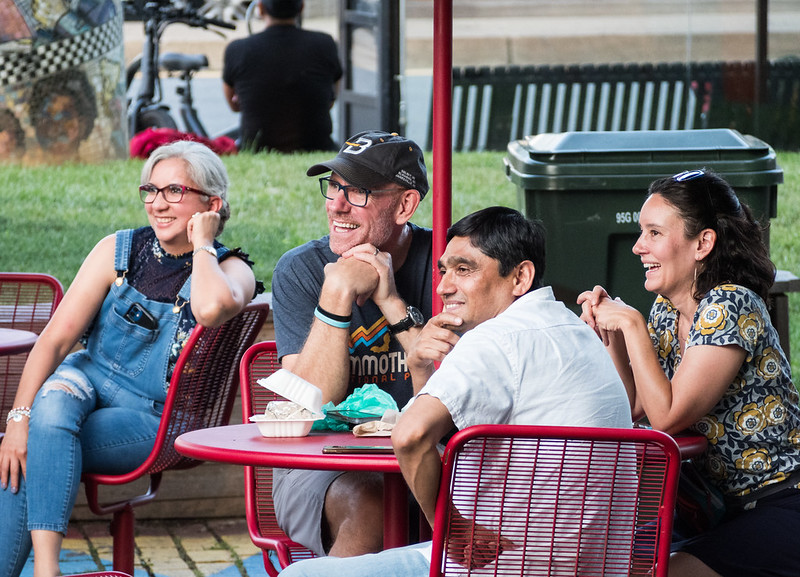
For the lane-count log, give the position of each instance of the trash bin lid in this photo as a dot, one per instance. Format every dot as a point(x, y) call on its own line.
point(633, 159)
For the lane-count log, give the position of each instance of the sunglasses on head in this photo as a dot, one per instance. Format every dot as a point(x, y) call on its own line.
point(688, 175)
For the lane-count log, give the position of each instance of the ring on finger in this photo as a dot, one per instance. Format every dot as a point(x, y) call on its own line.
point(376, 251)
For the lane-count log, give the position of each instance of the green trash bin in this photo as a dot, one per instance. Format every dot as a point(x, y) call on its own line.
point(588, 188)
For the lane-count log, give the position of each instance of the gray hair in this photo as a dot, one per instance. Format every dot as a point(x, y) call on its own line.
point(203, 167)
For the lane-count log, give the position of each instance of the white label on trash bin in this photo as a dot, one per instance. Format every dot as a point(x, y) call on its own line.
point(627, 217)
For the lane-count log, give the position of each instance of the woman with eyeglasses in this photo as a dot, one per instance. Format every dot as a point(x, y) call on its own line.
point(709, 360)
point(133, 304)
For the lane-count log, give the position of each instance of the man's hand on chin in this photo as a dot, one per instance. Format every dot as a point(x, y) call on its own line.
point(350, 275)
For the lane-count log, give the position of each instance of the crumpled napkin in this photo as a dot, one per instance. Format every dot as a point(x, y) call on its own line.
point(382, 428)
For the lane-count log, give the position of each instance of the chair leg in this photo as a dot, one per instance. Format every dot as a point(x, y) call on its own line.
point(123, 542)
point(272, 571)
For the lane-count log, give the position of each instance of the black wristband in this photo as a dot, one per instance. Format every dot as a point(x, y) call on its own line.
point(337, 318)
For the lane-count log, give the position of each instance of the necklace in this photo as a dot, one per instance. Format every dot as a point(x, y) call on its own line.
point(160, 253)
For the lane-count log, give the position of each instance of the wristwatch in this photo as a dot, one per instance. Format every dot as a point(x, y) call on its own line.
point(208, 248)
point(413, 318)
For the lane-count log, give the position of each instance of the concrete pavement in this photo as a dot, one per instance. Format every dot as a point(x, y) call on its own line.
point(514, 32)
point(529, 32)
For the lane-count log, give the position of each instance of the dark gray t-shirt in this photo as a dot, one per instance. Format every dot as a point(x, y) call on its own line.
point(375, 356)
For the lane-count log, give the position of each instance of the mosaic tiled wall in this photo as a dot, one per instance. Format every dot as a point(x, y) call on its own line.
point(62, 97)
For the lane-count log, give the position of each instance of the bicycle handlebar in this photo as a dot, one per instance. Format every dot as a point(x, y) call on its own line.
point(219, 23)
point(166, 12)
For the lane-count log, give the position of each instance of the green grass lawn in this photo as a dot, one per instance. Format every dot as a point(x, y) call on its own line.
point(52, 216)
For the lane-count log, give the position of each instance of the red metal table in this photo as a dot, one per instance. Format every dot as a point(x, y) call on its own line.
point(244, 445)
point(690, 445)
point(15, 341)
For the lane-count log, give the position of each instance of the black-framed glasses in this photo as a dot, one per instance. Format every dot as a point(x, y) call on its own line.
point(172, 193)
point(355, 195)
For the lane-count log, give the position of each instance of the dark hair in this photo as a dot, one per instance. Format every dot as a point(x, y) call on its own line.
point(72, 83)
point(506, 236)
point(9, 123)
point(704, 200)
point(282, 8)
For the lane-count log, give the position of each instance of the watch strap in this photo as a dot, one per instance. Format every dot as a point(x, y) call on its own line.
point(408, 322)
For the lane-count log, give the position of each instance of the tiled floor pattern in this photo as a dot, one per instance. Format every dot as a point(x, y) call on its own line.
point(172, 548)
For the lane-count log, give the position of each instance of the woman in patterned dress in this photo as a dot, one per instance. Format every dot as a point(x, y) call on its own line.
point(709, 360)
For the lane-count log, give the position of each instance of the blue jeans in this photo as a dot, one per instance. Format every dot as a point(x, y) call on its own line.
point(114, 439)
point(399, 562)
point(99, 413)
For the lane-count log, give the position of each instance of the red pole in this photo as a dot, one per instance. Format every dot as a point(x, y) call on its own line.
point(442, 132)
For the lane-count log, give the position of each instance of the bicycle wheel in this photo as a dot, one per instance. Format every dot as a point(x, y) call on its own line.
point(252, 15)
point(155, 118)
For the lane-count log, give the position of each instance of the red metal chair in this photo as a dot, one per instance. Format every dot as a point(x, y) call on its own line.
point(260, 361)
point(201, 394)
point(566, 500)
point(27, 301)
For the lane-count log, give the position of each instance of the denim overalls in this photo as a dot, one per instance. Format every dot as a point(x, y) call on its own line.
point(108, 419)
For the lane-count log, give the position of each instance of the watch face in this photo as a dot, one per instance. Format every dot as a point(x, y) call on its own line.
point(416, 316)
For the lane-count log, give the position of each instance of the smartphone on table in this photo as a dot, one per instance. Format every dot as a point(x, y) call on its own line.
point(358, 449)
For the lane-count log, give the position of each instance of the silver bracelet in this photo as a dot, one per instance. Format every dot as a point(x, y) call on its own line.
point(17, 413)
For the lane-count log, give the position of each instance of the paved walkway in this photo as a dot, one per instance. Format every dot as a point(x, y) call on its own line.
point(526, 32)
point(166, 548)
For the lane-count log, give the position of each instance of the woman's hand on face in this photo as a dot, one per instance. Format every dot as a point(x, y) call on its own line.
point(202, 228)
point(13, 455)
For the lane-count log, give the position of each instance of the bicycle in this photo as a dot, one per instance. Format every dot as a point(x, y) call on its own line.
point(147, 109)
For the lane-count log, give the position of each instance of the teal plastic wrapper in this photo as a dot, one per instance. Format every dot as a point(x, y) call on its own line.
point(367, 399)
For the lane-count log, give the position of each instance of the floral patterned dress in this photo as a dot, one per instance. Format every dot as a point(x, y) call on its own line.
point(754, 430)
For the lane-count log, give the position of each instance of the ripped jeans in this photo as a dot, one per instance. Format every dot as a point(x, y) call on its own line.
point(76, 427)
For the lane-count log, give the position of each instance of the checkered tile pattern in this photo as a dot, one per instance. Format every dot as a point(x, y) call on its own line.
point(46, 59)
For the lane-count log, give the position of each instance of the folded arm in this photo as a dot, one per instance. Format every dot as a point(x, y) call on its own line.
point(700, 381)
point(220, 290)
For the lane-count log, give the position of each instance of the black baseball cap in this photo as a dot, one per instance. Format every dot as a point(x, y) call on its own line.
point(373, 158)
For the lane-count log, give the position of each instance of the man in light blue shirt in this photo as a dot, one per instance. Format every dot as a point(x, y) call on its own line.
point(510, 354)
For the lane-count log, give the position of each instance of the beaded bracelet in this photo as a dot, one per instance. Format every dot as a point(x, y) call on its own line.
point(17, 413)
point(337, 321)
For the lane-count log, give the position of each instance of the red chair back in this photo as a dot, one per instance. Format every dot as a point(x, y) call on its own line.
point(565, 501)
point(260, 361)
point(27, 301)
point(201, 394)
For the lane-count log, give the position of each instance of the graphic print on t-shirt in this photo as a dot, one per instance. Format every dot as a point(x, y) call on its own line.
point(375, 357)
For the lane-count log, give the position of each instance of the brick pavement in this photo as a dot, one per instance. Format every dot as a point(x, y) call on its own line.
point(166, 548)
